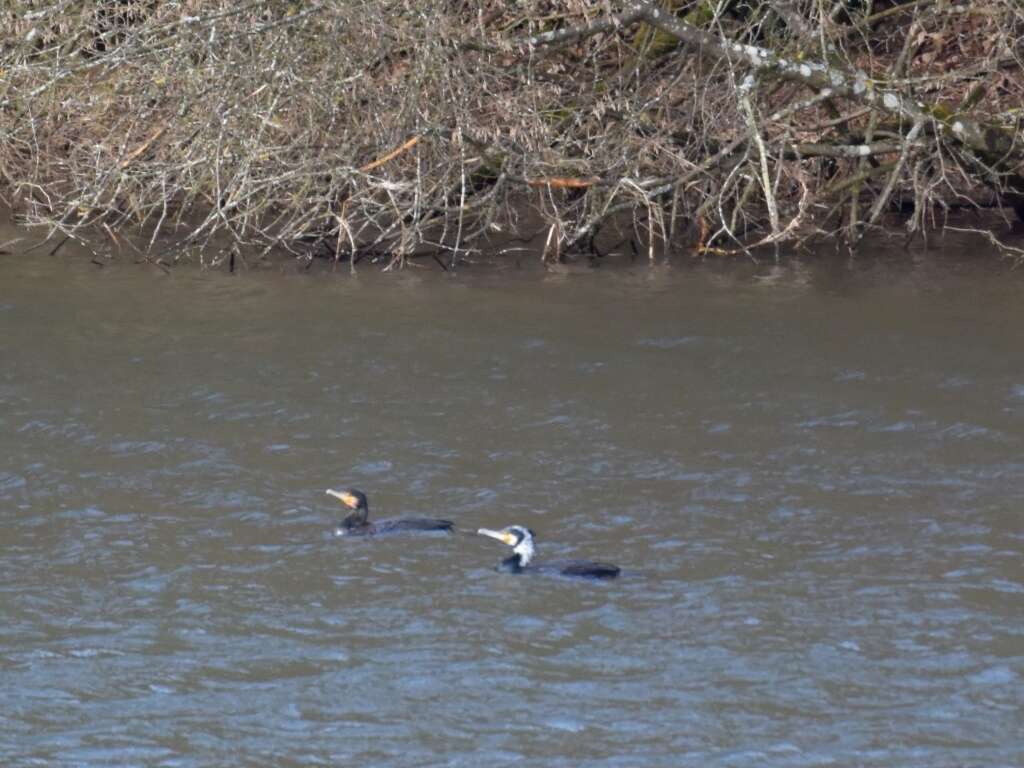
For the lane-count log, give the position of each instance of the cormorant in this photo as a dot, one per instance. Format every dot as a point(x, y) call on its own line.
point(521, 541)
point(356, 523)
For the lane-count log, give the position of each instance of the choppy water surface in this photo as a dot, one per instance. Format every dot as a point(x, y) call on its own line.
point(814, 474)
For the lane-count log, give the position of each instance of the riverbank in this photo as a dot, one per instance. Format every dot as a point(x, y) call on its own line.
point(962, 243)
point(960, 251)
point(387, 131)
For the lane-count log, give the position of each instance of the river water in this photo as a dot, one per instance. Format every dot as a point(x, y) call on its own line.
point(811, 472)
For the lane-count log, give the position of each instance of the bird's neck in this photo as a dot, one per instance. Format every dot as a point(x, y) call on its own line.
point(512, 564)
point(524, 552)
point(356, 519)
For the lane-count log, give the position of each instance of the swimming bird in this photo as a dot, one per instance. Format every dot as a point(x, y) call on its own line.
point(357, 524)
point(520, 539)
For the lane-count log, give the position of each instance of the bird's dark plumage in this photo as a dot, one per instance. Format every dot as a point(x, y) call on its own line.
point(520, 539)
point(357, 522)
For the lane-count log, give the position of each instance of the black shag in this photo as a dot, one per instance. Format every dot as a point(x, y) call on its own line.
point(523, 550)
point(357, 523)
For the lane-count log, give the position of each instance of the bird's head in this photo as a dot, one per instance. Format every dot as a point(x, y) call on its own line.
point(351, 498)
point(356, 501)
point(518, 537)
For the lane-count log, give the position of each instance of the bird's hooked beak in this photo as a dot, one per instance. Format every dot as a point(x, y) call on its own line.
point(344, 497)
point(503, 536)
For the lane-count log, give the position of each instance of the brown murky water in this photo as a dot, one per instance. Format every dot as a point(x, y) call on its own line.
point(812, 472)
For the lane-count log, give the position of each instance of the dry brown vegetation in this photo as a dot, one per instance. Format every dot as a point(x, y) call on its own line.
point(395, 129)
